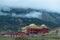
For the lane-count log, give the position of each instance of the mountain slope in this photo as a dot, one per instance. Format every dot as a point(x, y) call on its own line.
point(13, 18)
point(33, 13)
point(13, 23)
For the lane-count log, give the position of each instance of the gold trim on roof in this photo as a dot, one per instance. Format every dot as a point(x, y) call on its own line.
point(33, 26)
point(43, 26)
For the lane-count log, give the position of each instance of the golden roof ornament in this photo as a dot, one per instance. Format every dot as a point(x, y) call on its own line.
point(33, 26)
point(43, 26)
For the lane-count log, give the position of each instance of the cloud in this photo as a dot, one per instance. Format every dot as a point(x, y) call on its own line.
point(33, 15)
point(53, 5)
point(29, 15)
point(3, 13)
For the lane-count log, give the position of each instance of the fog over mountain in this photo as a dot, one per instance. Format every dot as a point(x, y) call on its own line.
point(52, 5)
point(31, 13)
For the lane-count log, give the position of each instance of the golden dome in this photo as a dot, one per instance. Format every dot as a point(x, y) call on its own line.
point(33, 26)
point(43, 26)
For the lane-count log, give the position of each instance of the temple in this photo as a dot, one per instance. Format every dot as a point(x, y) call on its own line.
point(33, 29)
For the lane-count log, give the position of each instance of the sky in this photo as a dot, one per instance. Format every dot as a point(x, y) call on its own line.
point(53, 5)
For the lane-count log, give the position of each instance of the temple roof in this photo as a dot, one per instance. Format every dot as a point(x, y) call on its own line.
point(43, 26)
point(33, 26)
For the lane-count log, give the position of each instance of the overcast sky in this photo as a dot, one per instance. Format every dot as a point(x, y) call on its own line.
point(53, 5)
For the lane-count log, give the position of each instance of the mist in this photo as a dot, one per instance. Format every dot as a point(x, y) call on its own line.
point(51, 5)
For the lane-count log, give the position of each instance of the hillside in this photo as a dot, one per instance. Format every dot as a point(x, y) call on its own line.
point(13, 23)
point(13, 18)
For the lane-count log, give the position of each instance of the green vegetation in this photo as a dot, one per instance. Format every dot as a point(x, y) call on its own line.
point(6, 38)
point(41, 37)
point(11, 24)
point(21, 38)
